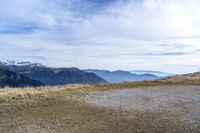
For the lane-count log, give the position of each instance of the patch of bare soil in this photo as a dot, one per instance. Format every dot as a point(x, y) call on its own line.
point(183, 100)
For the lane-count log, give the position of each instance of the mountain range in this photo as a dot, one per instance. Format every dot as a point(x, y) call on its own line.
point(61, 76)
point(51, 76)
point(120, 76)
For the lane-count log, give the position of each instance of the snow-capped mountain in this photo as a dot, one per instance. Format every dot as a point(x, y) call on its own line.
point(19, 63)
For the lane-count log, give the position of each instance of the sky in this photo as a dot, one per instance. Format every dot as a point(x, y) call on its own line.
point(161, 35)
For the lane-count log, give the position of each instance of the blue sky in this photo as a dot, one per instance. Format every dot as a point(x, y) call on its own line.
point(159, 35)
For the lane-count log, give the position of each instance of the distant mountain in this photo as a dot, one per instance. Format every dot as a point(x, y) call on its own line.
point(157, 73)
point(52, 76)
point(12, 79)
point(121, 76)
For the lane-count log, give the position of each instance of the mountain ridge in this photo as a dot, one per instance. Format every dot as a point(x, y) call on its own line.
point(52, 76)
point(120, 76)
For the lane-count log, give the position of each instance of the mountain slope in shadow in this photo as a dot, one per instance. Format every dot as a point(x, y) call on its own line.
point(12, 79)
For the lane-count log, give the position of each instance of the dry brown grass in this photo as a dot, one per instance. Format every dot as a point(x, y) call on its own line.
point(55, 116)
point(47, 92)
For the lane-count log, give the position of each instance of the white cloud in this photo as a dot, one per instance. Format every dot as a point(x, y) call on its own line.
point(122, 35)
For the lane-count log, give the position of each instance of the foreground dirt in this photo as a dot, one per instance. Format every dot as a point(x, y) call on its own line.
point(56, 116)
point(181, 100)
point(60, 115)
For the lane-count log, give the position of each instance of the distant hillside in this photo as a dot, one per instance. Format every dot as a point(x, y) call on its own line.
point(12, 79)
point(121, 76)
point(52, 76)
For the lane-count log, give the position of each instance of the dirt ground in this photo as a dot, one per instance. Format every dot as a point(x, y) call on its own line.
point(73, 116)
point(182, 100)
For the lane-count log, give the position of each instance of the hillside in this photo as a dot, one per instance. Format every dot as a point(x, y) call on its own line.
point(122, 76)
point(185, 78)
point(52, 76)
point(11, 79)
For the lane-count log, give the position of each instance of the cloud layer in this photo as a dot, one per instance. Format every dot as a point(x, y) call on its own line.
point(116, 34)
